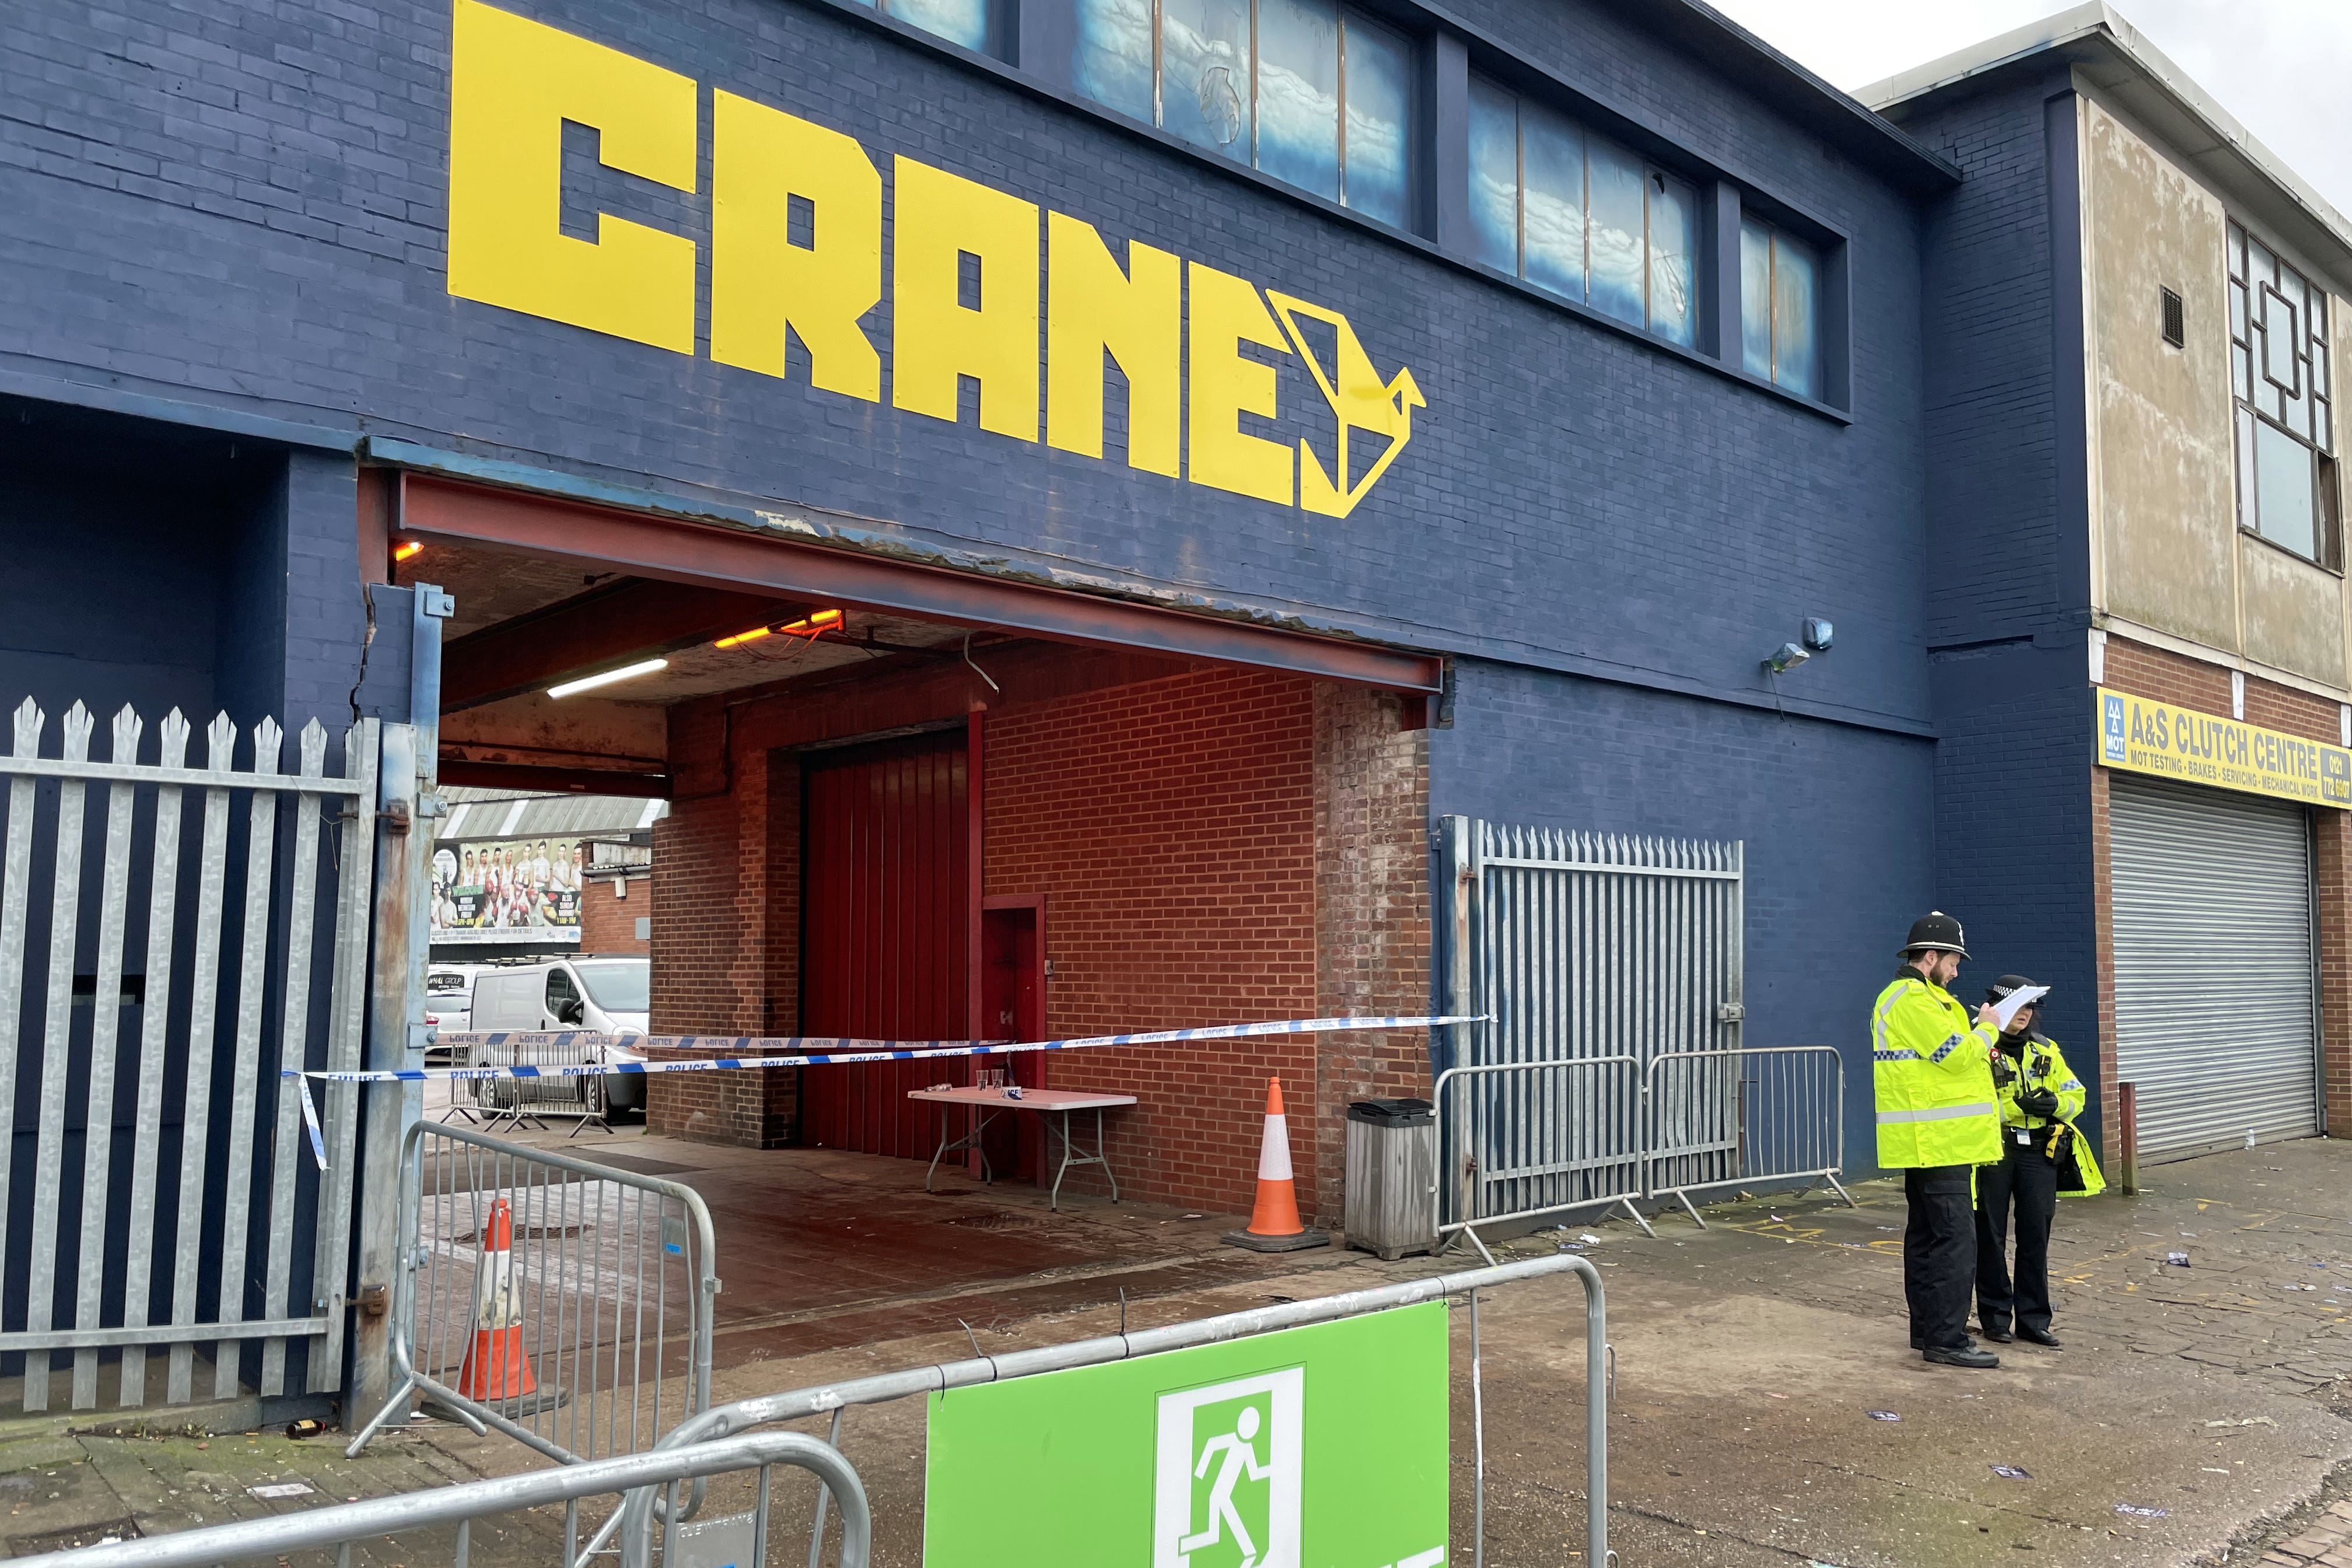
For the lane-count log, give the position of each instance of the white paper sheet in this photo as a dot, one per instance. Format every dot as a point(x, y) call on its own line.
point(2007, 1008)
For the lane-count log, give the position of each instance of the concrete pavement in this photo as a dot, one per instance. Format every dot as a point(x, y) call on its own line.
point(2195, 1414)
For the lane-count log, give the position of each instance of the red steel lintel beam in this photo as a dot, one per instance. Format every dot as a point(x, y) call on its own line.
point(679, 552)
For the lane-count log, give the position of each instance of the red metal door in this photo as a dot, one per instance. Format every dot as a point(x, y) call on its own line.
point(1013, 1007)
point(1012, 991)
point(884, 928)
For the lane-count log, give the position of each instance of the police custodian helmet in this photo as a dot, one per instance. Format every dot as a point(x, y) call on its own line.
point(1936, 932)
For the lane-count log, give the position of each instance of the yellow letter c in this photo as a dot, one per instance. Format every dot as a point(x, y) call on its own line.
point(513, 83)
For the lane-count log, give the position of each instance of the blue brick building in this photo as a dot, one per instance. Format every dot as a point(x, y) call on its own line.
point(1496, 386)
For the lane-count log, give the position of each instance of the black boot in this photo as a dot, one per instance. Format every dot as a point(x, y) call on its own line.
point(1999, 1335)
point(2041, 1337)
point(1968, 1355)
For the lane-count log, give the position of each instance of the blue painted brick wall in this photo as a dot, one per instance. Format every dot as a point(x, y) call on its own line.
point(246, 207)
point(169, 567)
point(2009, 557)
point(1999, 548)
point(1840, 845)
point(2013, 830)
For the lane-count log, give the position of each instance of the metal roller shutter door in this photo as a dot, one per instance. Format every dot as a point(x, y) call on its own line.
point(2215, 1019)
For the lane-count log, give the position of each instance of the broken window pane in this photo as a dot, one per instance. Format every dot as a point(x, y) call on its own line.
point(1204, 63)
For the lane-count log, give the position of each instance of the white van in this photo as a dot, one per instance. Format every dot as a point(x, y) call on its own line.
point(448, 1006)
point(605, 996)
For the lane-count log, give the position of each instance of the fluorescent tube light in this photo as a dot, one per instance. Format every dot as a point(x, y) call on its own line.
point(627, 671)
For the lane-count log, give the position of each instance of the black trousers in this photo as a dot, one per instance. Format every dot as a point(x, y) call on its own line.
point(2027, 1178)
point(1939, 1254)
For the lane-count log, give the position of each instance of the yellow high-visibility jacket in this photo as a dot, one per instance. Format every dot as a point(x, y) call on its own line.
point(1934, 1077)
point(2078, 1169)
point(2041, 1065)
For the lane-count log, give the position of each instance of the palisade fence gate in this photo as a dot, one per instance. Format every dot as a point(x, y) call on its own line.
point(176, 930)
point(1593, 956)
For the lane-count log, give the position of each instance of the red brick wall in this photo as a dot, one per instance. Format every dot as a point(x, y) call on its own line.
point(1371, 910)
point(609, 924)
point(1171, 828)
point(726, 945)
point(2332, 858)
point(2163, 676)
point(2167, 677)
point(747, 1110)
point(1214, 845)
point(726, 910)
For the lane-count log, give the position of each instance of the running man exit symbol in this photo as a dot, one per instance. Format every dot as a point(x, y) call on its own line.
point(1227, 1471)
point(1271, 1451)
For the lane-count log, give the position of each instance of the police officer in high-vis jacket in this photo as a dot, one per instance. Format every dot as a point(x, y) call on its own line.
point(2040, 1154)
point(1939, 1118)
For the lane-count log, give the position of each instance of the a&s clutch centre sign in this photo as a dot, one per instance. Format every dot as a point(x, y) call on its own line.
point(2142, 736)
point(1315, 1448)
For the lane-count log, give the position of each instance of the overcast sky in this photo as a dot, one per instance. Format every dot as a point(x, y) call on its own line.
point(2279, 65)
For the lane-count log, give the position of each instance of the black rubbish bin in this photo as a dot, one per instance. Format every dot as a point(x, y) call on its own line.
point(1390, 1205)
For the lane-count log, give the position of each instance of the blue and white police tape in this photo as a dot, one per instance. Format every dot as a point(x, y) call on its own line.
point(310, 1120)
point(794, 1051)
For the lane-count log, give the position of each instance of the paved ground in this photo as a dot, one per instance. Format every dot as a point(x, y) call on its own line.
point(2212, 1399)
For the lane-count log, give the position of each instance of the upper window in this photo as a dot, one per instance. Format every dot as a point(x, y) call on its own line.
point(1306, 90)
point(2279, 372)
point(962, 22)
point(1574, 213)
point(1780, 309)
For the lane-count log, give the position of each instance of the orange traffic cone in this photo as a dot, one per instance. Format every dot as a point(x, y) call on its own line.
point(497, 1367)
point(1275, 1225)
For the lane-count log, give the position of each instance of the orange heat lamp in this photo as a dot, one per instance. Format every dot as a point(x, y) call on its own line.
point(814, 625)
point(811, 627)
point(406, 548)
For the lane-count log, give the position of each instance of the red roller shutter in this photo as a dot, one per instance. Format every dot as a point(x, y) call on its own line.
point(885, 927)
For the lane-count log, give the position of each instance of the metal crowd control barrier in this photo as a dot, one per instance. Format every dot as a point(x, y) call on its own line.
point(724, 1421)
point(1527, 1138)
point(1523, 1138)
point(391, 1524)
point(1743, 1117)
point(527, 1099)
point(566, 1342)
